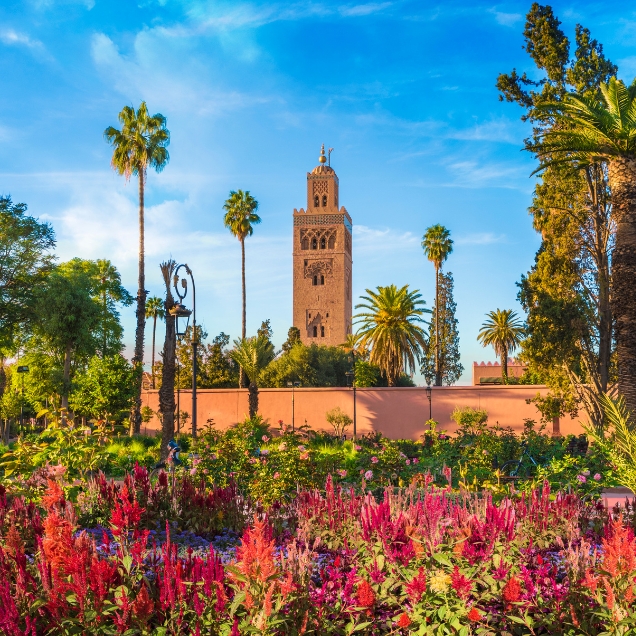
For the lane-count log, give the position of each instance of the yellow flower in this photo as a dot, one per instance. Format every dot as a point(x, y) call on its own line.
point(439, 582)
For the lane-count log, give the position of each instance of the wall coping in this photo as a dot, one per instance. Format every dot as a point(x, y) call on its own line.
point(371, 389)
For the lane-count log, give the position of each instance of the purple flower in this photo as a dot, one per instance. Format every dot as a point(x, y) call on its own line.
point(368, 475)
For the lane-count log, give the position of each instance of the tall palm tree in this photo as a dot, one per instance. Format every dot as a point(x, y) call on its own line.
point(253, 355)
point(504, 331)
point(240, 218)
point(141, 142)
point(437, 246)
point(586, 131)
point(389, 326)
point(155, 308)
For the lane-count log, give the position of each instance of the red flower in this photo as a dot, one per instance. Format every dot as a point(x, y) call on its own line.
point(403, 620)
point(143, 605)
point(474, 615)
point(461, 584)
point(512, 590)
point(365, 594)
point(417, 586)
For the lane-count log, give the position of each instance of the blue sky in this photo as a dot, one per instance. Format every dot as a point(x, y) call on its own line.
point(404, 91)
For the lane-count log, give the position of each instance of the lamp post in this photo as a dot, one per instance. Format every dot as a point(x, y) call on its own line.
point(429, 395)
point(182, 293)
point(351, 381)
point(22, 370)
point(293, 385)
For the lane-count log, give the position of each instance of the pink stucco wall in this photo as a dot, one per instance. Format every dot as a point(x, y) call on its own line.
point(395, 412)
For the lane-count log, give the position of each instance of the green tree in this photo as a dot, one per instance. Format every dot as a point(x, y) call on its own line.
point(25, 262)
point(155, 308)
point(437, 245)
point(253, 355)
point(312, 366)
point(449, 358)
point(504, 331)
point(293, 338)
point(108, 292)
point(605, 130)
point(389, 328)
point(105, 389)
point(68, 319)
point(141, 143)
point(240, 218)
point(568, 287)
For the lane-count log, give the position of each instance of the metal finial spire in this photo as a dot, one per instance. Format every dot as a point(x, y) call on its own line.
point(322, 157)
point(329, 156)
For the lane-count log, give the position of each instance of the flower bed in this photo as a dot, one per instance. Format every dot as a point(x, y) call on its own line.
point(414, 560)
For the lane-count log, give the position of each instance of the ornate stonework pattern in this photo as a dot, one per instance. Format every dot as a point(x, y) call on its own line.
point(318, 267)
point(321, 186)
point(319, 219)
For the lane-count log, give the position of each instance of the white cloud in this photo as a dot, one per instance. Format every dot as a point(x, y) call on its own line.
point(11, 37)
point(480, 238)
point(475, 174)
point(507, 19)
point(368, 240)
point(363, 9)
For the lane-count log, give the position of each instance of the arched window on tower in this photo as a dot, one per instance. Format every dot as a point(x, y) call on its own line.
point(332, 241)
point(315, 331)
point(316, 201)
point(323, 243)
point(314, 243)
point(324, 200)
point(322, 279)
point(322, 331)
point(315, 280)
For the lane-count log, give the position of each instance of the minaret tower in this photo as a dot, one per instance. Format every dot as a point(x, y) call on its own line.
point(322, 261)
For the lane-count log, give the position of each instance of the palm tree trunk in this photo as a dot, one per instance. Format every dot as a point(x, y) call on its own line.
point(438, 371)
point(138, 358)
point(253, 400)
point(154, 333)
point(622, 179)
point(67, 379)
point(504, 365)
point(166, 392)
point(242, 379)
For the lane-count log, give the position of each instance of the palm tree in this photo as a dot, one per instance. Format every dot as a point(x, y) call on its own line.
point(140, 143)
point(155, 308)
point(504, 331)
point(437, 246)
point(389, 327)
point(253, 355)
point(240, 218)
point(352, 345)
point(587, 131)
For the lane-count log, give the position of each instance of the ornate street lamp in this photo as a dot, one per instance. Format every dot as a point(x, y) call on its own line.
point(182, 312)
point(22, 370)
point(293, 385)
point(429, 395)
point(351, 381)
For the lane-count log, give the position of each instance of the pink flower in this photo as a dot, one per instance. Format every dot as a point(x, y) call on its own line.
point(304, 455)
point(276, 475)
point(264, 451)
point(442, 436)
point(193, 471)
point(265, 438)
point(416, 460)
point(374, 460)
point(597, 477)
point(408, 461)
point(342, 472)
point(368, 475)
point(358, 448)
point(582, 479)
point(301, 448)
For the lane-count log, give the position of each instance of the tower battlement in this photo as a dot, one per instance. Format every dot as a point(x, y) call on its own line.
point(322, 261)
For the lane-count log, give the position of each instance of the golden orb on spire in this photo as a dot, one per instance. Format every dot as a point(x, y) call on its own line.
point(322, 157)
